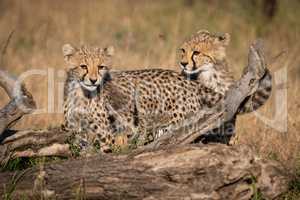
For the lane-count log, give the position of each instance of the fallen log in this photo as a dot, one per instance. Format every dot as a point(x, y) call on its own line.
point(28, 143)
point(21, 102)
point(214, 171)
point(34, 143)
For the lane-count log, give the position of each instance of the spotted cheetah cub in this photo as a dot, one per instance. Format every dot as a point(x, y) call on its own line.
point(203, 58)
point(84, 109)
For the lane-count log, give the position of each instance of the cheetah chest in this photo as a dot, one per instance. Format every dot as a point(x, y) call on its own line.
point(84, 114)
point(212, 79)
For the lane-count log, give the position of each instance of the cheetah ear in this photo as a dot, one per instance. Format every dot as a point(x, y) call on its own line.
point(109, 51)
point(203, 31)
point(224, 39)
point(68, 52)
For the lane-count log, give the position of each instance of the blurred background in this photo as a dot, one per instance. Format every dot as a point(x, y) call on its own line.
point(147, 33)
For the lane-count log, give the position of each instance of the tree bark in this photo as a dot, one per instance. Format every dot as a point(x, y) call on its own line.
point(212, 171)
point(34, 143)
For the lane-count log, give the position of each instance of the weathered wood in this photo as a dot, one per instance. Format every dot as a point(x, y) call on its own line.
point(21, 102)
point(185, 172)
point(34, 143)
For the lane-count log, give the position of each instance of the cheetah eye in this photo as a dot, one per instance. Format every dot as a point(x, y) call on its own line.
point(83, 66)
point(221, 38)
point(101, 67)
point(196, 52)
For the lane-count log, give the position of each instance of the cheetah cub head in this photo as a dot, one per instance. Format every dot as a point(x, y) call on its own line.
point(89, 64)
point(202, 51)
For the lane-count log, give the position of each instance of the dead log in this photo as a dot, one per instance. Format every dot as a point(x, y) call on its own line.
point(34, 143)
point(212, 171)
point(21, 102)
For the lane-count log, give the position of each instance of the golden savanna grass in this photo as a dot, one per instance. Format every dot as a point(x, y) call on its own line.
point(147, 34)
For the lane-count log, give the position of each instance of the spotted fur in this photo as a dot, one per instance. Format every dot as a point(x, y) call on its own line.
point(157, 99)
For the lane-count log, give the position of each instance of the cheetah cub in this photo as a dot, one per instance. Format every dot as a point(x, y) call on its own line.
point(203, 59)
point(84, 109)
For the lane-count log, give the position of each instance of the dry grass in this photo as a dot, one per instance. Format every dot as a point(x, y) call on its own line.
point(146, 33)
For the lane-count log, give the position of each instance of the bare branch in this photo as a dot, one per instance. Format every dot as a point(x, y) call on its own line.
point(21, 102)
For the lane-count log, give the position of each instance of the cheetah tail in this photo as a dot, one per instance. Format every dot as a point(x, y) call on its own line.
point(259, 98)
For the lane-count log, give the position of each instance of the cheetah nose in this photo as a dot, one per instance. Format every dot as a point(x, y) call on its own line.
point(184, 64)
point(93, 81)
